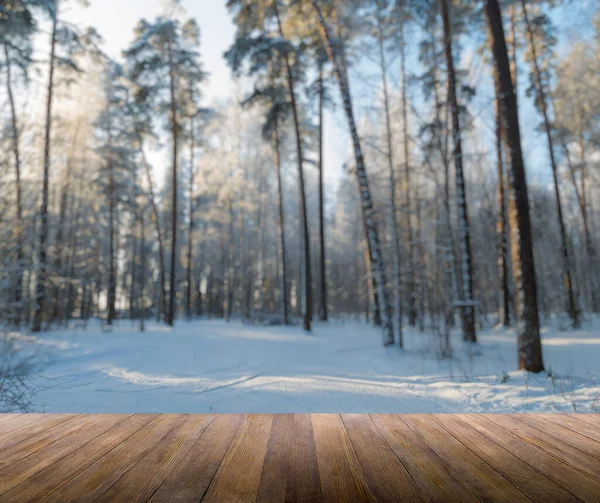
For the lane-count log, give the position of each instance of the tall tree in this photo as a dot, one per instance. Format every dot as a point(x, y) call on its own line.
point(542, 102)
point(162, 59)
point(468, 307)
point(335, 52)
point(530, 347)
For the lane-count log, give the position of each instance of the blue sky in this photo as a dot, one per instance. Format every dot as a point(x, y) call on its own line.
point(115, 19)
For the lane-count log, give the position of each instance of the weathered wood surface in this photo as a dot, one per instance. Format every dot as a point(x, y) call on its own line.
point(294, 457)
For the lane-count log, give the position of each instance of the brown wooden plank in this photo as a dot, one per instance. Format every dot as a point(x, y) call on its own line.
point(7, 417)
point(98, 477)
point(593, 419)
point(278, 460)
point(431, 475)
point(90, 427)
point(385, 474)
point(19, 421)
point(563, 474)
point(142, 480)
point(479, 477)
point(190, 479)
point(290, 471)
point(535, 485)
point(576, 448)
point(238, 477)
point(342, 479)
point(42, 440)
point(51, 478)
point(572, 423)
point(27, 432)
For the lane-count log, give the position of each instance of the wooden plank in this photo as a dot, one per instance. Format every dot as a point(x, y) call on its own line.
point(278, 460)
point(20, 420)
point(386, 476)
point(51, 478)
point(7, 417)
point(37, 443)
point(190, 479)
point(431, 475)
point(28, 431)
point(290, 471)
point(593, 419)
point(342, 479)
point(557, 440)
point(479, 477)
point(563, 474)
point(526, 478)
point(90, 427)
point(572, 423)
point(139, 482)
point(238, 477)
point(98, 477)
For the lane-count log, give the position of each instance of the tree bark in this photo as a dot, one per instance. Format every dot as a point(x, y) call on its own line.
point(42, 274)
point(373, 242)
point(281, 230)
point(323, 289)
point(468, 310)
point(410, 275)
point(308, 313)
point(190, 224)
point(501, 219)
point(529, 343)
point(392, 182)
point(572, 308)
point(172, 287)
point(18, 294)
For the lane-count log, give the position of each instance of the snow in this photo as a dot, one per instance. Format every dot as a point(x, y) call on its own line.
point(210, 366)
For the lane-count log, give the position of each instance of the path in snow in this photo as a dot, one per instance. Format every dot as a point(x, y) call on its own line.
point(210, 366)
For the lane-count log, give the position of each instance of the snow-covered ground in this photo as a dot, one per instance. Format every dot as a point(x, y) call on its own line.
point(211, 366)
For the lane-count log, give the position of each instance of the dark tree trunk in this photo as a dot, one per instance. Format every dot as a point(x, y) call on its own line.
point(530, 346)
point(323, 278)
point(190, 224)
point(42, 274)
point(308, 313)
point(18, 293)
point(572, 308)
point(501, 220)
point(172, 283)
point(373, 243)
point(281, 229)
point(468, 310)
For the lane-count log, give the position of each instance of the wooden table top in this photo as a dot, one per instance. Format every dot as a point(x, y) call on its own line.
point(295, 457)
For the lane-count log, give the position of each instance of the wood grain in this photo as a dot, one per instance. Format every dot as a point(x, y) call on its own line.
point(342, 478)
point(563, 474)
point(299, 458)
point(190, 479)
point(238, 477)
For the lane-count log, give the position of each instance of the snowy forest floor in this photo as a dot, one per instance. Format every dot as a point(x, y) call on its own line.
point(209, 366)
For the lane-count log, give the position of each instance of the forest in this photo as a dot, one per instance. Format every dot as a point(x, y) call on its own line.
point(465, 196)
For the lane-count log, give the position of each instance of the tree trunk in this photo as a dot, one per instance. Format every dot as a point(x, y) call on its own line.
point(530, 346)
point(501, 219)
point(18, 293)
point(468, 310)
point(323, 296)
point(172, 287)
point(410, 275)
point(42, 274)
point(392, 182)
point(190, 224)
point(281, 230)
point(374, 247)
point(161, 251)
point(572, 308)
point(142, 280)
point(304, 215)
point(112, 282)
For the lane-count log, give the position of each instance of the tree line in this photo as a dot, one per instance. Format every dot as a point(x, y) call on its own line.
point(431, 219)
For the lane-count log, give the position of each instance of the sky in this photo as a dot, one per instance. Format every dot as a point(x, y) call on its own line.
point(115, 20)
